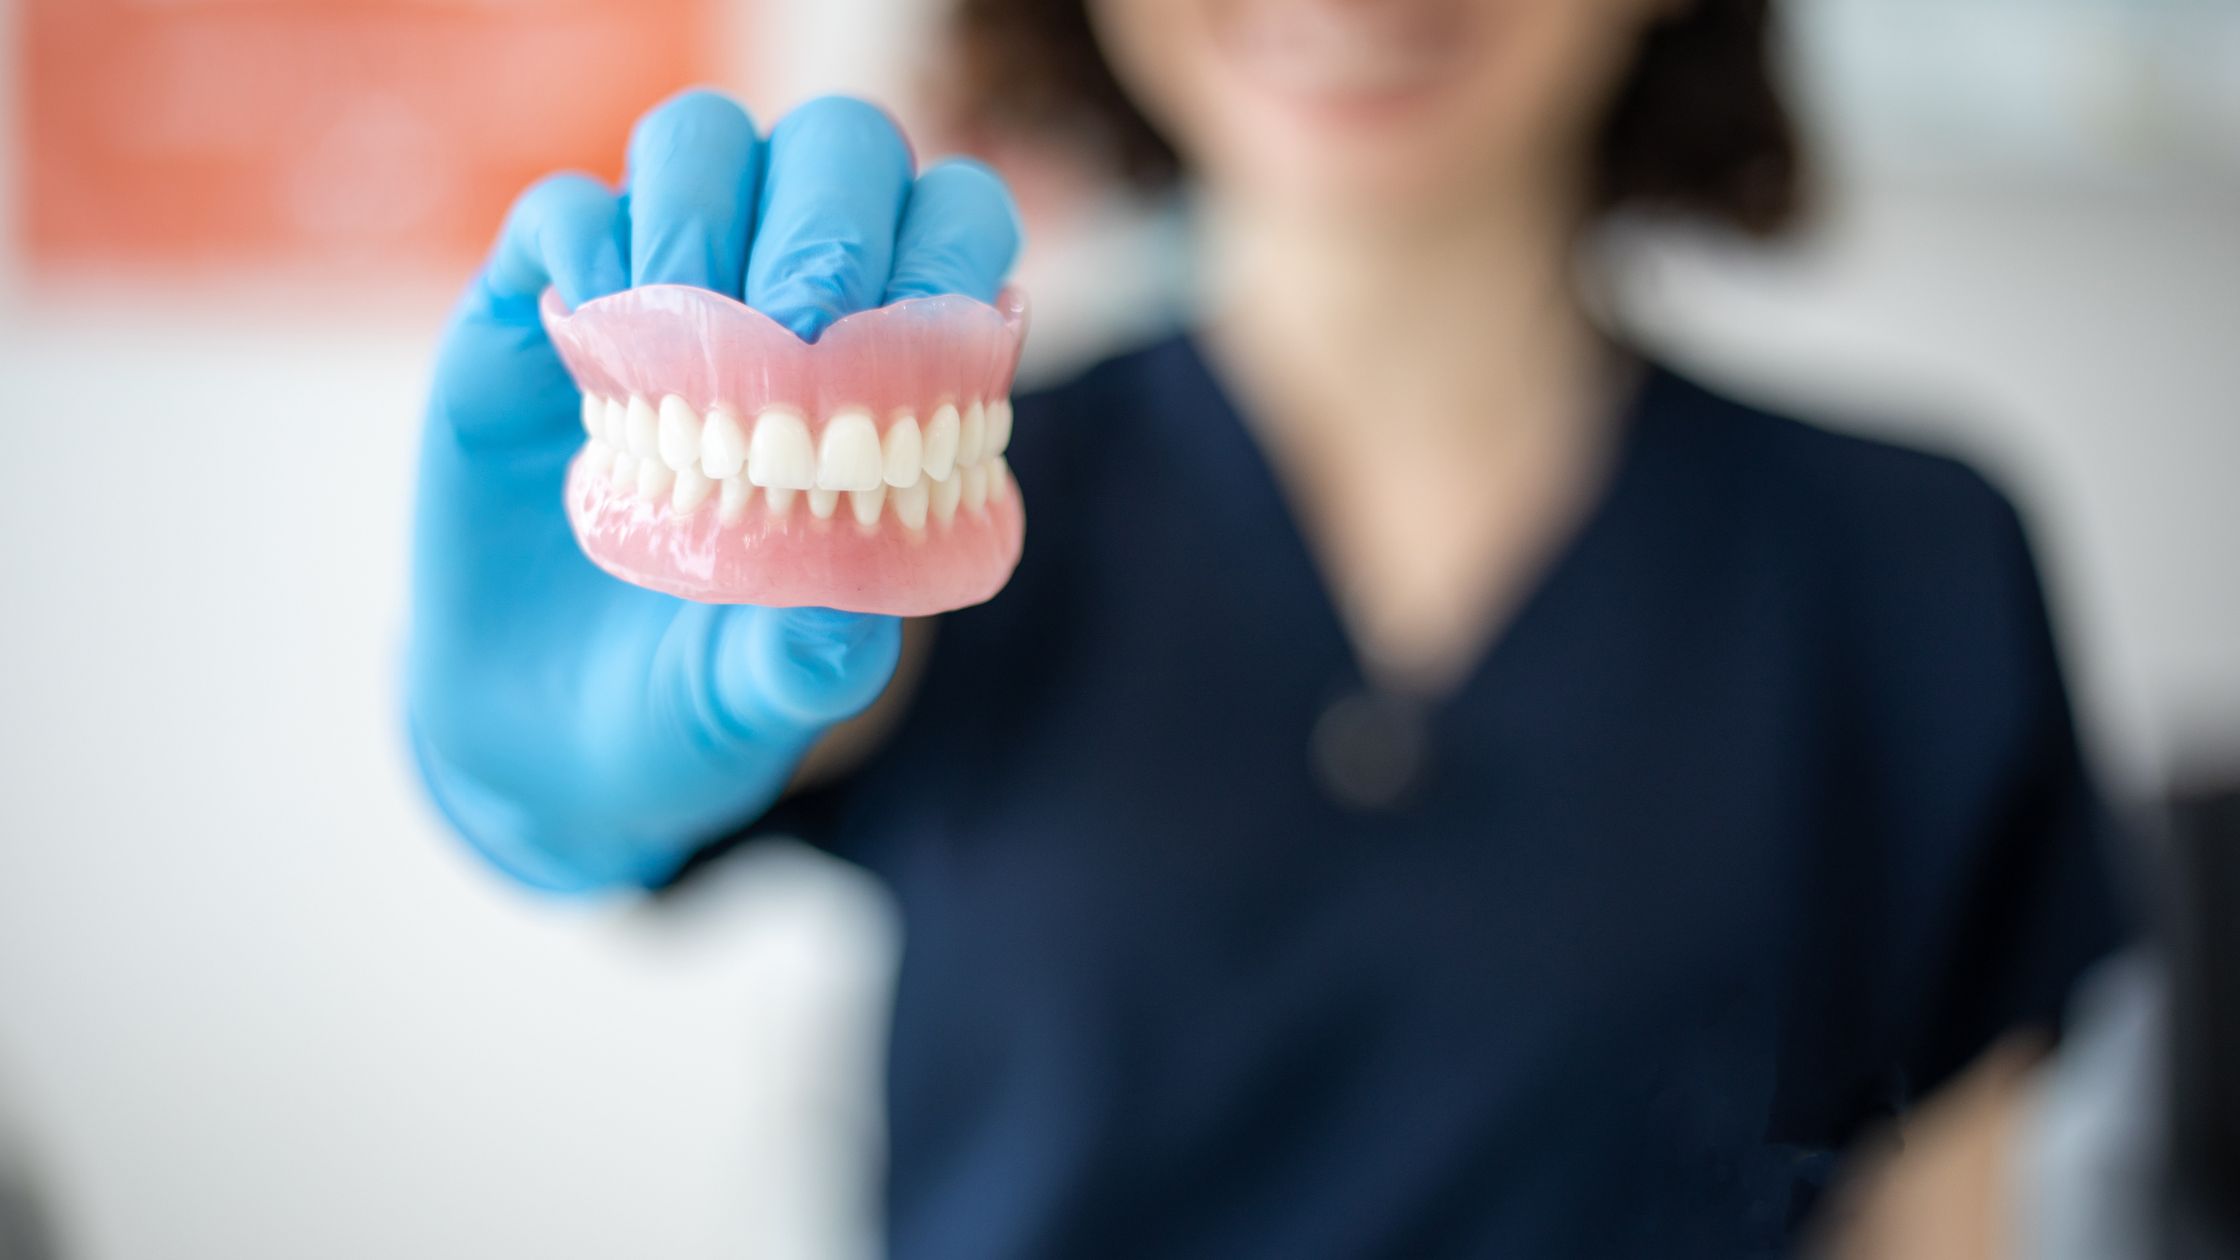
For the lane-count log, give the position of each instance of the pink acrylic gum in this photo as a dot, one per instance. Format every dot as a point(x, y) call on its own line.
point(710, 349)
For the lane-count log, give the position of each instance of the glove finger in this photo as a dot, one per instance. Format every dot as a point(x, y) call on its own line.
point(833, 188)
point(564, 231)
point(959, 234)
point(694, 165)
point(497, 377)
point(779, 670)
point(503, 414)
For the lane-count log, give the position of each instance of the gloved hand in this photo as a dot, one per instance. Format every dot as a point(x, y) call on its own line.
point(580, 732)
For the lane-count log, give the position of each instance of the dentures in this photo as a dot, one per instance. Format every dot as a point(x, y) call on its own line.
point(728, 461)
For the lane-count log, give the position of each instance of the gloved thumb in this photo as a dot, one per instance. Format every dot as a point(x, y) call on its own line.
point(797, 670)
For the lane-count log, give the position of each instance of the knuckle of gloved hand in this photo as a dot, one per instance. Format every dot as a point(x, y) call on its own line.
point(969, 181)
point(844, 118)
point(692, 197)
point(962, 234)
point(827, 665)
point(819, 281)
point(702, 112)
point(555, 219)
point(940, 265)
point(556, 197)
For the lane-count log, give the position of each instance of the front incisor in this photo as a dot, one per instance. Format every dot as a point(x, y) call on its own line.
point(779, 455)
point(848, 455)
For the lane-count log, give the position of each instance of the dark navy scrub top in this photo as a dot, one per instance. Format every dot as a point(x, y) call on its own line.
point(1763, 814)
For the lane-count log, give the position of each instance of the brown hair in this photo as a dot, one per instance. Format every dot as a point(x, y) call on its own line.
point(1699, 126)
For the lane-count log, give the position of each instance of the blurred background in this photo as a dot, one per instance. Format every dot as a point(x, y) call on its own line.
point(255, 1002)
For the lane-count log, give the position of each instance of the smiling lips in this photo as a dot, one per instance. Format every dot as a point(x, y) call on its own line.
point(728, 461)
point(1335, 52)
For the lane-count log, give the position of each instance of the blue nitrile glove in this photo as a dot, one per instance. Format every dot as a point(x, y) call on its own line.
point(580, 732)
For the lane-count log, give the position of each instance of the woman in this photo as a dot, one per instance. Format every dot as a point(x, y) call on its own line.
point(1436, 785)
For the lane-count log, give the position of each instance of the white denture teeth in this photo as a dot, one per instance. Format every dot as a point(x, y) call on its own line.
point(910, 504)
point(670, 452)
point(904, 454)
point(999, 426)
point(867, 504)
point(723, 446)
point(733, 506)
point(943, 497)
point(692, 490)
point(779, 455)
point(679, 435)
point(848, 456)
point(941, 442)
point(972, 434)
point(643, 429)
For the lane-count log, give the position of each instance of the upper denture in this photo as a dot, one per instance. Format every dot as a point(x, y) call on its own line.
point(708, 349)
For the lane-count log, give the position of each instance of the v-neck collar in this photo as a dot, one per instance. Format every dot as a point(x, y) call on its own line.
point(1239, 484)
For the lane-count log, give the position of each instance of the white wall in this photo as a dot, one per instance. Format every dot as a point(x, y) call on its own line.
point(253, 1001)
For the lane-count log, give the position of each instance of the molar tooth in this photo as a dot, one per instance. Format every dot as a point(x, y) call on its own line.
point(972, 435)
point(848, 455)
point(736, 491)
point(975, 478)
point(910, 504)
point(598, 457)
point(999, 426)
point(643, 429)
point(624, 474)
point(780, 499)
point(617, 426)
point(594, 416)
point(999, 479)
point(822, 502)
point(941, 442)
point(680, 433)
point(779, 454)
point(693, 488)
point(867, 504)
point(944, 498)
point(723, 447)
point(905, 451)
point(654, 478)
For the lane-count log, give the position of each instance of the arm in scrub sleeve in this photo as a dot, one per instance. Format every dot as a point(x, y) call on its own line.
point(579, 732)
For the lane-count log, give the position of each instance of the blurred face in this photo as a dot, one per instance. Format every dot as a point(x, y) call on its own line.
point(1392, 109)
